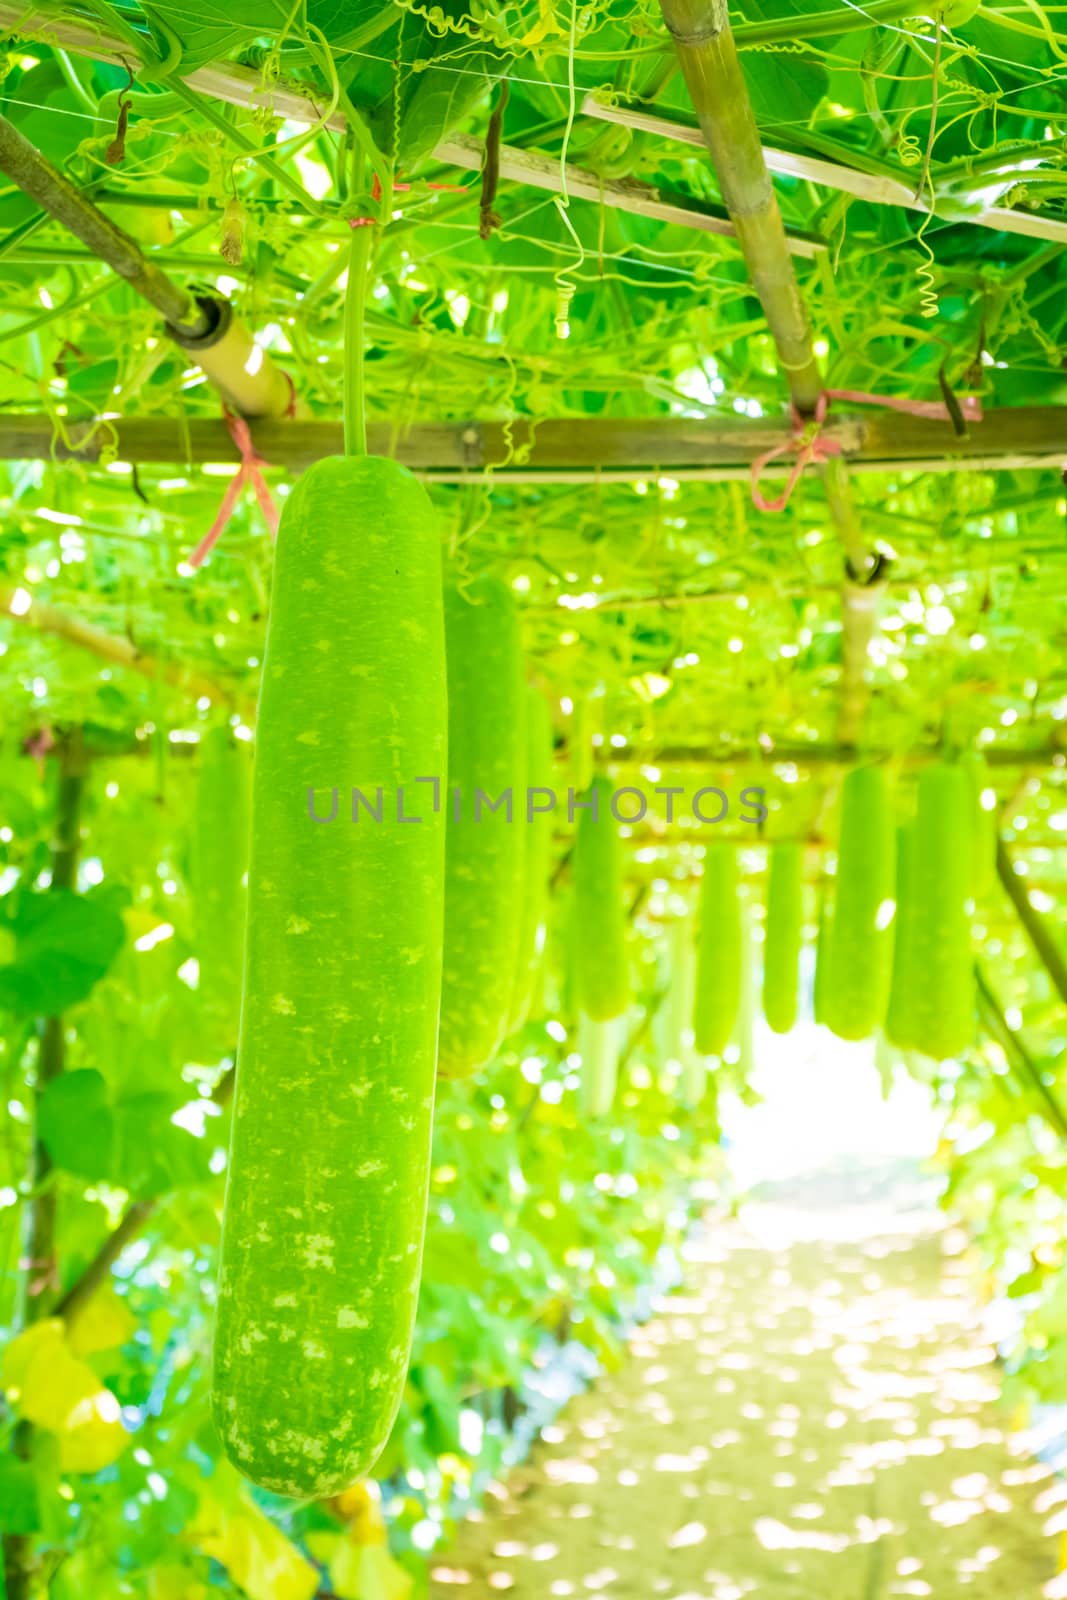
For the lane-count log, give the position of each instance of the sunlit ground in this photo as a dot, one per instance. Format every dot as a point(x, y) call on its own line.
point(814, 1416)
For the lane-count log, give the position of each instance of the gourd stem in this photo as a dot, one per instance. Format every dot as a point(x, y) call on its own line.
point(354, 337)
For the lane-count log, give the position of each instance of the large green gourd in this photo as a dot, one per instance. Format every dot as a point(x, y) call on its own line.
point(717, 1000)
point(601, 959)
point(326, 1195)
point(598, 1046)
point(861, 939)
point(681, 976)
point(745, 1032)
point(785, 936)
point(536, 833)
point(219, 863)
point(942, 1013)
point(903, 990)
point(484, 857)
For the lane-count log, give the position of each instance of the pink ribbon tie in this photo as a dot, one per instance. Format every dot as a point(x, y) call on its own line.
point(376, 194)
point(251, 472)
point(812, 448)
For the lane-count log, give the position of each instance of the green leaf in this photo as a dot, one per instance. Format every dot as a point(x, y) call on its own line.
point(76, 1124)
point(153, 1155)
point(64, 944)
point(130, 1142)
point(441, 97)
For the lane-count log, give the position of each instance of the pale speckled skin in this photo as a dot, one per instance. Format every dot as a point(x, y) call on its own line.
point(785, 935)
point(900, 1013)
point(938, 1008)
point(484, 859)
point(326, 1195)
point(861, 953)
point(717, 988)
point(602, 966)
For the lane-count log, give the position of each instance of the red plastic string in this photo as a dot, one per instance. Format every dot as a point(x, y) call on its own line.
point(811, 448)
point(933, 410)
point(376, 194)
point(251, 472)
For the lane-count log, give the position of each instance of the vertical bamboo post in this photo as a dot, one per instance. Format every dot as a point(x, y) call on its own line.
point(708, 57)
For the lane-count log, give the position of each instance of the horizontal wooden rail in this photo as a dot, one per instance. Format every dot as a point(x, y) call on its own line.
point(659, 204)
point(564, 448)
point(1053, 752)
point(879, 190)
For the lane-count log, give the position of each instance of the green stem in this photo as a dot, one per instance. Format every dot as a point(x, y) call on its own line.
point(19, 1559)
point(822, 24)
point(74, 83)
point(355, 400)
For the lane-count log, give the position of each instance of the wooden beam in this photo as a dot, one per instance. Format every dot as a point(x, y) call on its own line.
point(566, 449)
point(538, 171)
point(874, 187)
point(668, 757)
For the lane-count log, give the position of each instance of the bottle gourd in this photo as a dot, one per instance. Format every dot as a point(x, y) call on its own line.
point(327, 1185)
point(536, 837)
point(860, 932)
point(717, 998)
point(785, 935)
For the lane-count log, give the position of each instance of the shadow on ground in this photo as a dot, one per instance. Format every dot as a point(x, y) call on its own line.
point(814, 1417)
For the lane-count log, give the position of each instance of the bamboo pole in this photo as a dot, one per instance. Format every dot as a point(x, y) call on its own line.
point(567, 449)
point(539, 171)
point(708, 56)
point(879, 190)
point(235, 85)
point(204, 325)
point(53, 192)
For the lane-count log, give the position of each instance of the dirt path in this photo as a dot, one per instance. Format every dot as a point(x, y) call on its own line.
point(813, 1418)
